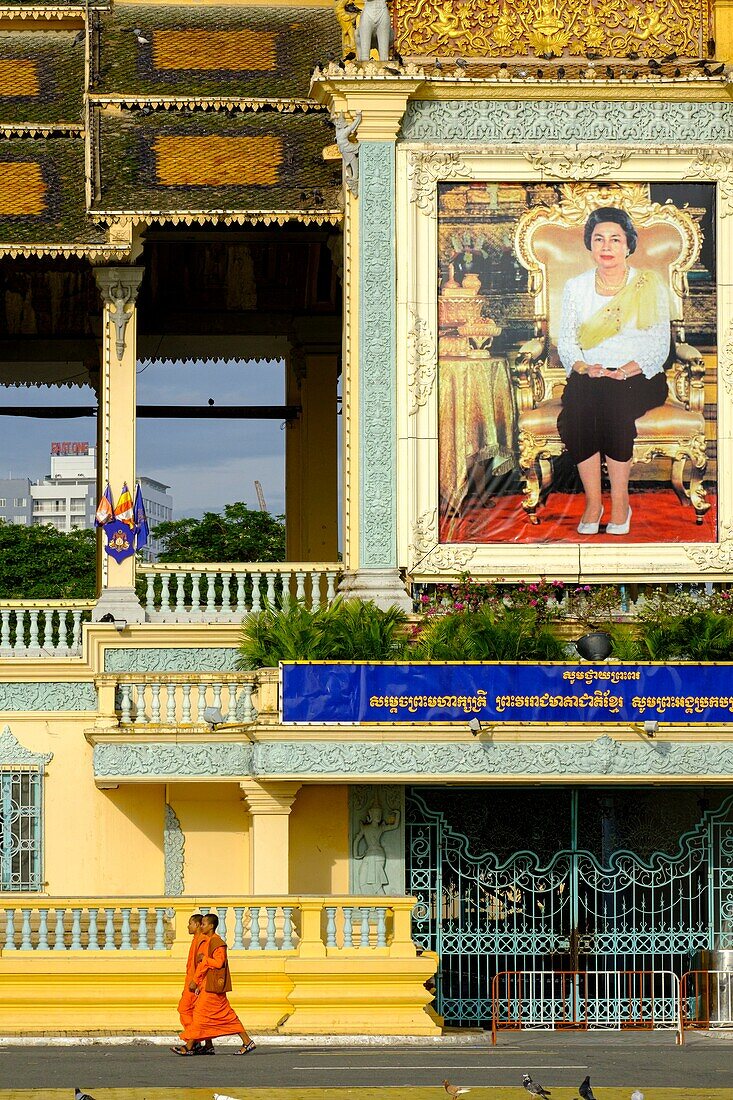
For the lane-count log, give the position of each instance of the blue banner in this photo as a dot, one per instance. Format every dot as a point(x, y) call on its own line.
point(334, 692)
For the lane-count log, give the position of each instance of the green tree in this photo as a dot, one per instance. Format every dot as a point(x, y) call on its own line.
point(240, 534)
point(41, 562)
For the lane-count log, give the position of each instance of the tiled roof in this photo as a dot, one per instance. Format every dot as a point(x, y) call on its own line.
point(42, 194)
point(252, 51)
point(255, 160)
point(41, 77)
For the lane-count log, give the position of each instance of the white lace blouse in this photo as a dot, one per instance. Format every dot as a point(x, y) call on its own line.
point(648, 347)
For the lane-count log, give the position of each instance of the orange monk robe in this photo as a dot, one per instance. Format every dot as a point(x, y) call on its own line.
point(188, 999)
point(212, 1013)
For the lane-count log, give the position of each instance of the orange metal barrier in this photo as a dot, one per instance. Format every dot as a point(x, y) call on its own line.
point(585, 999)
point(706, 1000)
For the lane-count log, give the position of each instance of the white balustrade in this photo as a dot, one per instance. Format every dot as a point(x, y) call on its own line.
point(178, 700)
point(207, 592)
point(128, 925)
point(42, 629)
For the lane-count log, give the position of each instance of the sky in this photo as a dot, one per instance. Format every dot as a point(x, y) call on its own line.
point(206, 463)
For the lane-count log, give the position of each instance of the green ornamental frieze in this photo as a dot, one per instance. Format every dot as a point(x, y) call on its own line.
point(401, 760)
point(171, 659)
point(670, 123)
point(47, 696)
point(602, 757)
point(160, 760)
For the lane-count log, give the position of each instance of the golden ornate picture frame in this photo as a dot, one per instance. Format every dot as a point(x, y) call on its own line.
point(420, 169)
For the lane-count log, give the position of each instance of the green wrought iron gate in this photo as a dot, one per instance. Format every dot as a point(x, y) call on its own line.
point(572, 911)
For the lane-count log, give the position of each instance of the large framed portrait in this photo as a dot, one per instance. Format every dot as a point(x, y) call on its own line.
point(561, 374)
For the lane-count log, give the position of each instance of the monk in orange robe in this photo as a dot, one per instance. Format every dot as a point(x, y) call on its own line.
point(188, 999)
point(212, 1013)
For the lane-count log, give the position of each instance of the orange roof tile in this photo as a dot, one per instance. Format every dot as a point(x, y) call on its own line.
point(18, 77)
point(234, 51)
point(22, 189)
point(210, 160)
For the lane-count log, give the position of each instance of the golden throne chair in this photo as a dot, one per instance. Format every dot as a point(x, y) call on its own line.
point(549, 243)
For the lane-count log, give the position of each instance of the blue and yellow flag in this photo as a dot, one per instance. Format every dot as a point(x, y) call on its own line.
point(142, 531)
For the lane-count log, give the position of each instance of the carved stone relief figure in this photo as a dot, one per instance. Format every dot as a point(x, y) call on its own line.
point(348, 147)
point(377, 844)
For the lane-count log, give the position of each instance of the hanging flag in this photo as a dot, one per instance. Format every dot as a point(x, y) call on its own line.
point(120, 540)
point(123, 508)
point(105, 509)
point(142, 531)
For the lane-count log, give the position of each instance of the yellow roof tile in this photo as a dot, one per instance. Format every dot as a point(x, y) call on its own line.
point(231, 51)
point(217, 161)
point(22, 188)
point(18, 77)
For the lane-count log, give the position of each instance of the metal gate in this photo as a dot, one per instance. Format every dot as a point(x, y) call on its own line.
point(572, 912)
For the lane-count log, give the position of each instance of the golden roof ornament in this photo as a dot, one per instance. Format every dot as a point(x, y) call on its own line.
point(551, 28)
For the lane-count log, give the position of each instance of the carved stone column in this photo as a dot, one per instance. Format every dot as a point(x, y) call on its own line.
point(370, 371)
point(117, 424)
point(269, 806)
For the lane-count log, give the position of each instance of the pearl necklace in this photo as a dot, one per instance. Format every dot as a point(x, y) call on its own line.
point(614, 287)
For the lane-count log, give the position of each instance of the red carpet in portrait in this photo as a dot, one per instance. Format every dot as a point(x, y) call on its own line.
point(657, 516)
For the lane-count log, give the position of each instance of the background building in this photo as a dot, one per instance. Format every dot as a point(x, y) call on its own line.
point(67, 498)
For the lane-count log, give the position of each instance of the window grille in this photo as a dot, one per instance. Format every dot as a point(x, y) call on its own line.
point(20, 829)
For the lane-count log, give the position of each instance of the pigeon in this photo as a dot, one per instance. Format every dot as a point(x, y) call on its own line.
point(454, 1091)
point(78, 38)
point(79, 1095)
point(460, 63)
point(585, 1090)
point(318, 199)
point(222, 1096)
point(140, 36)
point(532, 1087)
point(637, 1095)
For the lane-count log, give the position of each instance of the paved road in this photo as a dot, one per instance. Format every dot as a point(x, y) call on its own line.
point(627, 1061)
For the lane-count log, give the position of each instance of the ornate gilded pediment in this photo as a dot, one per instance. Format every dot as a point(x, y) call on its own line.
point(522, 28)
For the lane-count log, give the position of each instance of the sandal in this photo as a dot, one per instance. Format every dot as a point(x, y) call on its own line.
point(248, 1049)
point(183, 1051)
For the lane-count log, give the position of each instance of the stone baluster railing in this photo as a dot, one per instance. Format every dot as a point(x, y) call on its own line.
point(259, 924)
point(180, 700)
point(210, 592)
point(42, 628)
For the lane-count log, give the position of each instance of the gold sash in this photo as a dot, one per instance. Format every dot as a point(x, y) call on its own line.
point(638, 304)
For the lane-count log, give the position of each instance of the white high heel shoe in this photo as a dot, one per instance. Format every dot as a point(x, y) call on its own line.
point(590, 528)
point(619, 528)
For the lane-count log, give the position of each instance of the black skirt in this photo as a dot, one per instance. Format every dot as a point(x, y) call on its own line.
point(599, 414)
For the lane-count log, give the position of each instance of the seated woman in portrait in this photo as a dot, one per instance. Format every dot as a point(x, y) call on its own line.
point(614, 342)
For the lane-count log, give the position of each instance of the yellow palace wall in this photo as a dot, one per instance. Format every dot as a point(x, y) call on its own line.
point(110, 842)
